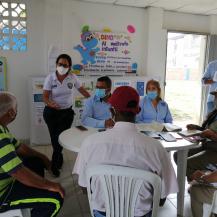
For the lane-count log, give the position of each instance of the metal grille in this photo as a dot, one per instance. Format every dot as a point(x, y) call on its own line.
point(13, 31)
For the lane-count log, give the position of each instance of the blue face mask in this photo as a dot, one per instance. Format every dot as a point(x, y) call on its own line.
point(100, 93)
point(152, 95)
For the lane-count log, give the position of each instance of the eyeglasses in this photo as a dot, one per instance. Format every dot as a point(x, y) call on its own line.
point(63, 65)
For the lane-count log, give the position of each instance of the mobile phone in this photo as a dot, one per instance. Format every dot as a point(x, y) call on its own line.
point(167, 137)
point(81, 128)
point(101, 130)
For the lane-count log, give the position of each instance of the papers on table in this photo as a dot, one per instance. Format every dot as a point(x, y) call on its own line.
point(158, 127)
point(152, 127)
point(187, 133)
point(154, 135)
point(171, 127)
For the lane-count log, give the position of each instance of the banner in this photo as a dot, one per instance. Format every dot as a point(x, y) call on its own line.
point(106, 52)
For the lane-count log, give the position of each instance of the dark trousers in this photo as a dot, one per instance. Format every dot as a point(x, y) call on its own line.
point(43, 203)
point(57, 121)
point(199, 158)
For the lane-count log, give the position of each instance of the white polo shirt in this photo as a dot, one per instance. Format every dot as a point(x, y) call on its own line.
point(124, 145)
point(62, 93)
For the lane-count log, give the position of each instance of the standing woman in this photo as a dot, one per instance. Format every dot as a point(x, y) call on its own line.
point(58, 97)
point(153, 108)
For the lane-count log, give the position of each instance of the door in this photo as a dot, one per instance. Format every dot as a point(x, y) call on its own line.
point(184, 70)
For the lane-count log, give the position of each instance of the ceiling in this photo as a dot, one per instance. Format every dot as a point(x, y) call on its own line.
point(204, 7)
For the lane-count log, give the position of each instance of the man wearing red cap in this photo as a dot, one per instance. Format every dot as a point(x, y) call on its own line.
point(124, 145)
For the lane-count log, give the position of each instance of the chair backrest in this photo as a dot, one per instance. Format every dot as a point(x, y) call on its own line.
point(121, 186)
point(12, 213)
point(210, 208)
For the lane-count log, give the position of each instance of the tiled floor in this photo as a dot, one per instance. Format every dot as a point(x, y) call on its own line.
point(76, 203)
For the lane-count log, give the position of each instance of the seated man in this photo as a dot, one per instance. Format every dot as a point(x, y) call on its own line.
point(96, 110)
point(199, 158)
point(202, 193)
point(21, 171)
point(124, 145)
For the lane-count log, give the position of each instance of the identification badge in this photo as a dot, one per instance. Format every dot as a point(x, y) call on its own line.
point(70, 85)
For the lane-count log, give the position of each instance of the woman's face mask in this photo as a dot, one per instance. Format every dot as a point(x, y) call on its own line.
point(61, 70)
point(152, 94)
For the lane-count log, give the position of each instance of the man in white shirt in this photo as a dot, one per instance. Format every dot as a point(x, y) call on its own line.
point(124, 145)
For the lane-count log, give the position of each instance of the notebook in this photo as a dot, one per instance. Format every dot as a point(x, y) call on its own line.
point(187, 133)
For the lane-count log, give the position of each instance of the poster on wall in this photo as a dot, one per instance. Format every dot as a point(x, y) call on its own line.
point(106, 52)
point(3, 73)
point(38, 104)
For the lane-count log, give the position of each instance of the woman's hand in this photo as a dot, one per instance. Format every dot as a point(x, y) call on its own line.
point(53, 104)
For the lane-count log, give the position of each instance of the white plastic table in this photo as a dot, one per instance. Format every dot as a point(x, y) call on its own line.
point(72, 139)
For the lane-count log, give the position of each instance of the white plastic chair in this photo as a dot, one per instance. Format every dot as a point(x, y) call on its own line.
point(12, 213)
point(16, 213)
point(209, 209)
point(121, 186)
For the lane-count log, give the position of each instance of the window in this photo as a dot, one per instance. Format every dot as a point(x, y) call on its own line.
point(13, 34)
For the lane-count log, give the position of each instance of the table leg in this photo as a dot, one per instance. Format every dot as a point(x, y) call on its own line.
point(181, 173)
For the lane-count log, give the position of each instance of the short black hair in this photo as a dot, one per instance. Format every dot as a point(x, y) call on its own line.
point(64, 56)
point(107, 80)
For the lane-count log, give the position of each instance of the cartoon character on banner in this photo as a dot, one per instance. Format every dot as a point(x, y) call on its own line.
point(88, 50)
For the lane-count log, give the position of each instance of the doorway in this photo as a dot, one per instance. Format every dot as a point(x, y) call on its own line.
point(184, 70)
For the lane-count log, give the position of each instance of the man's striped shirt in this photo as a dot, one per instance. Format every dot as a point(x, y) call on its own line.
point(9, 160)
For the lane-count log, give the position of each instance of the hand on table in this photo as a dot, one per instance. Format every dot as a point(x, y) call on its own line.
point(109, 123)
point(210, 134)
point(191, 126)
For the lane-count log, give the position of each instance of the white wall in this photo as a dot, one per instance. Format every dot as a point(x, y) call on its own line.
point(76, 14)
point(59, 22)
point(21, 65)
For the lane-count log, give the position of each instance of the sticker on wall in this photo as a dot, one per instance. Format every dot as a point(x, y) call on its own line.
point(76, 69)
point(121, 83)
point(3, 73)
point(140, 87)
point(89, 48)
point(131, 29)
point(106, 29)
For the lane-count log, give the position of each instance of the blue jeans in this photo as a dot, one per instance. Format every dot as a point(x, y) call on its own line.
point(103, 214)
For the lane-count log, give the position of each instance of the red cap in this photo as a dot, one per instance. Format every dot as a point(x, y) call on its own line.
point(122, 100)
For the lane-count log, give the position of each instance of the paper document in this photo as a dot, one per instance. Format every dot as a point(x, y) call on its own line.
point(154, 135)
point(154, 127)
point(171, 127)
point(187, 133)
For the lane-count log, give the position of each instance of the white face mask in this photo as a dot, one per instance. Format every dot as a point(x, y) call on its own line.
point(61, 70)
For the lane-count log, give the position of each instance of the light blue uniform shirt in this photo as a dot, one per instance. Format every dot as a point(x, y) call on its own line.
point(209, 74)
point(95, 113)
point(149, 114)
